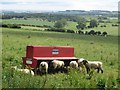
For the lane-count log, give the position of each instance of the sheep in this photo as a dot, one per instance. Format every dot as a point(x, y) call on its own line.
point(80, 64)
point(93, 65)
point(43, 67)
point(73, 64)
point(26, 71)
point(57, 65)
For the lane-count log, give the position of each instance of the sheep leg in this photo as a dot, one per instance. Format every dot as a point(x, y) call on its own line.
point(62, 69)
point(88, 70)
point(35, 70)
point(101, 71)
point(98, 70)
point(54, 70)
point(46, 72)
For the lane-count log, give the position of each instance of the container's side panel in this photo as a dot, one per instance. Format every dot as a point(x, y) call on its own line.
point(42, 52)
point(29, 51)
point(53, 52)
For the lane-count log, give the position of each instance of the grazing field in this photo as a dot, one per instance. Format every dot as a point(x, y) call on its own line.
point(111, 30)
point(99, 48)
point(71, 25)
point(27, 22)
point(33, 28)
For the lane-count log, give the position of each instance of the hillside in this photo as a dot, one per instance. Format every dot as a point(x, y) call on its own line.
point(23, 28)
point(100, 48)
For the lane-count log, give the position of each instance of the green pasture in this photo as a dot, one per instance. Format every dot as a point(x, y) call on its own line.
point(105, 49)
point(71, 25)
point(27, 22)
point(113, 19)
point(111, 30)
point(33, 28)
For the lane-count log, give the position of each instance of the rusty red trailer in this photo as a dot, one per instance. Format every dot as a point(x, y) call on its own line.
point(36, 54)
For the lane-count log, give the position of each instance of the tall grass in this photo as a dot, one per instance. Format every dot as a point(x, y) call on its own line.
point(74, 79)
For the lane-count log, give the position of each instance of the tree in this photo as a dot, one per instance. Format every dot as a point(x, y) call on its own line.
point(81, 24)
point(98, 33)
point(91, 32)
point(93, 23)
point(60, 23)
point(80, 32)
point(104, 34)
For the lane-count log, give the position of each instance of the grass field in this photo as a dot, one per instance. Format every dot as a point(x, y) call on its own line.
point(28, 22)
point(100, 48)
point(70, 25)
point(33, 28)
point(109, 29)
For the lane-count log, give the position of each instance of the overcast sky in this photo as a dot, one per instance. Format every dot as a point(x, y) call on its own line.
point(54, 5)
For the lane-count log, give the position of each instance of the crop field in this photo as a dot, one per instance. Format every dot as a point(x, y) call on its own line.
point(105, 49)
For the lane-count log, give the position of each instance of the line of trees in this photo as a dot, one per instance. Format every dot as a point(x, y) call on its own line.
point(10, 25)
point(44, 16)
point(115, 24)
point(81, 24)
point(92, 32)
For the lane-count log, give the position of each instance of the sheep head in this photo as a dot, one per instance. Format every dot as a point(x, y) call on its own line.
point(85, 62)
point(43, 65)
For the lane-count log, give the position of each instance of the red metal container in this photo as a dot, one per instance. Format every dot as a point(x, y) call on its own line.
point(36, 54)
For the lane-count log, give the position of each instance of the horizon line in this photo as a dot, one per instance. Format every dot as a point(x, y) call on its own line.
point(59, 10)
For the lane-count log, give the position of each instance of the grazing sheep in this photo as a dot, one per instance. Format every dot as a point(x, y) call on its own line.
point(73, 64)
point(80, 63)
point(57, 65)
point(93, 65)
point(43, 67)
point(26, 71)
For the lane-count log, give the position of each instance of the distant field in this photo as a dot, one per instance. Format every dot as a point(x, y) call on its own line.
point(70, 25)
point(32, 28)
point(100, 48)
point(109, 29)
point(28, 21)
point(113, 19)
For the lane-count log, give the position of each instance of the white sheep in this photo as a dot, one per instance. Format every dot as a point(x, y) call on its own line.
point(93, 65)
point(57, 64)
point(26, 71)
point(43, 67)
point(73, 64)
point(80, 64)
